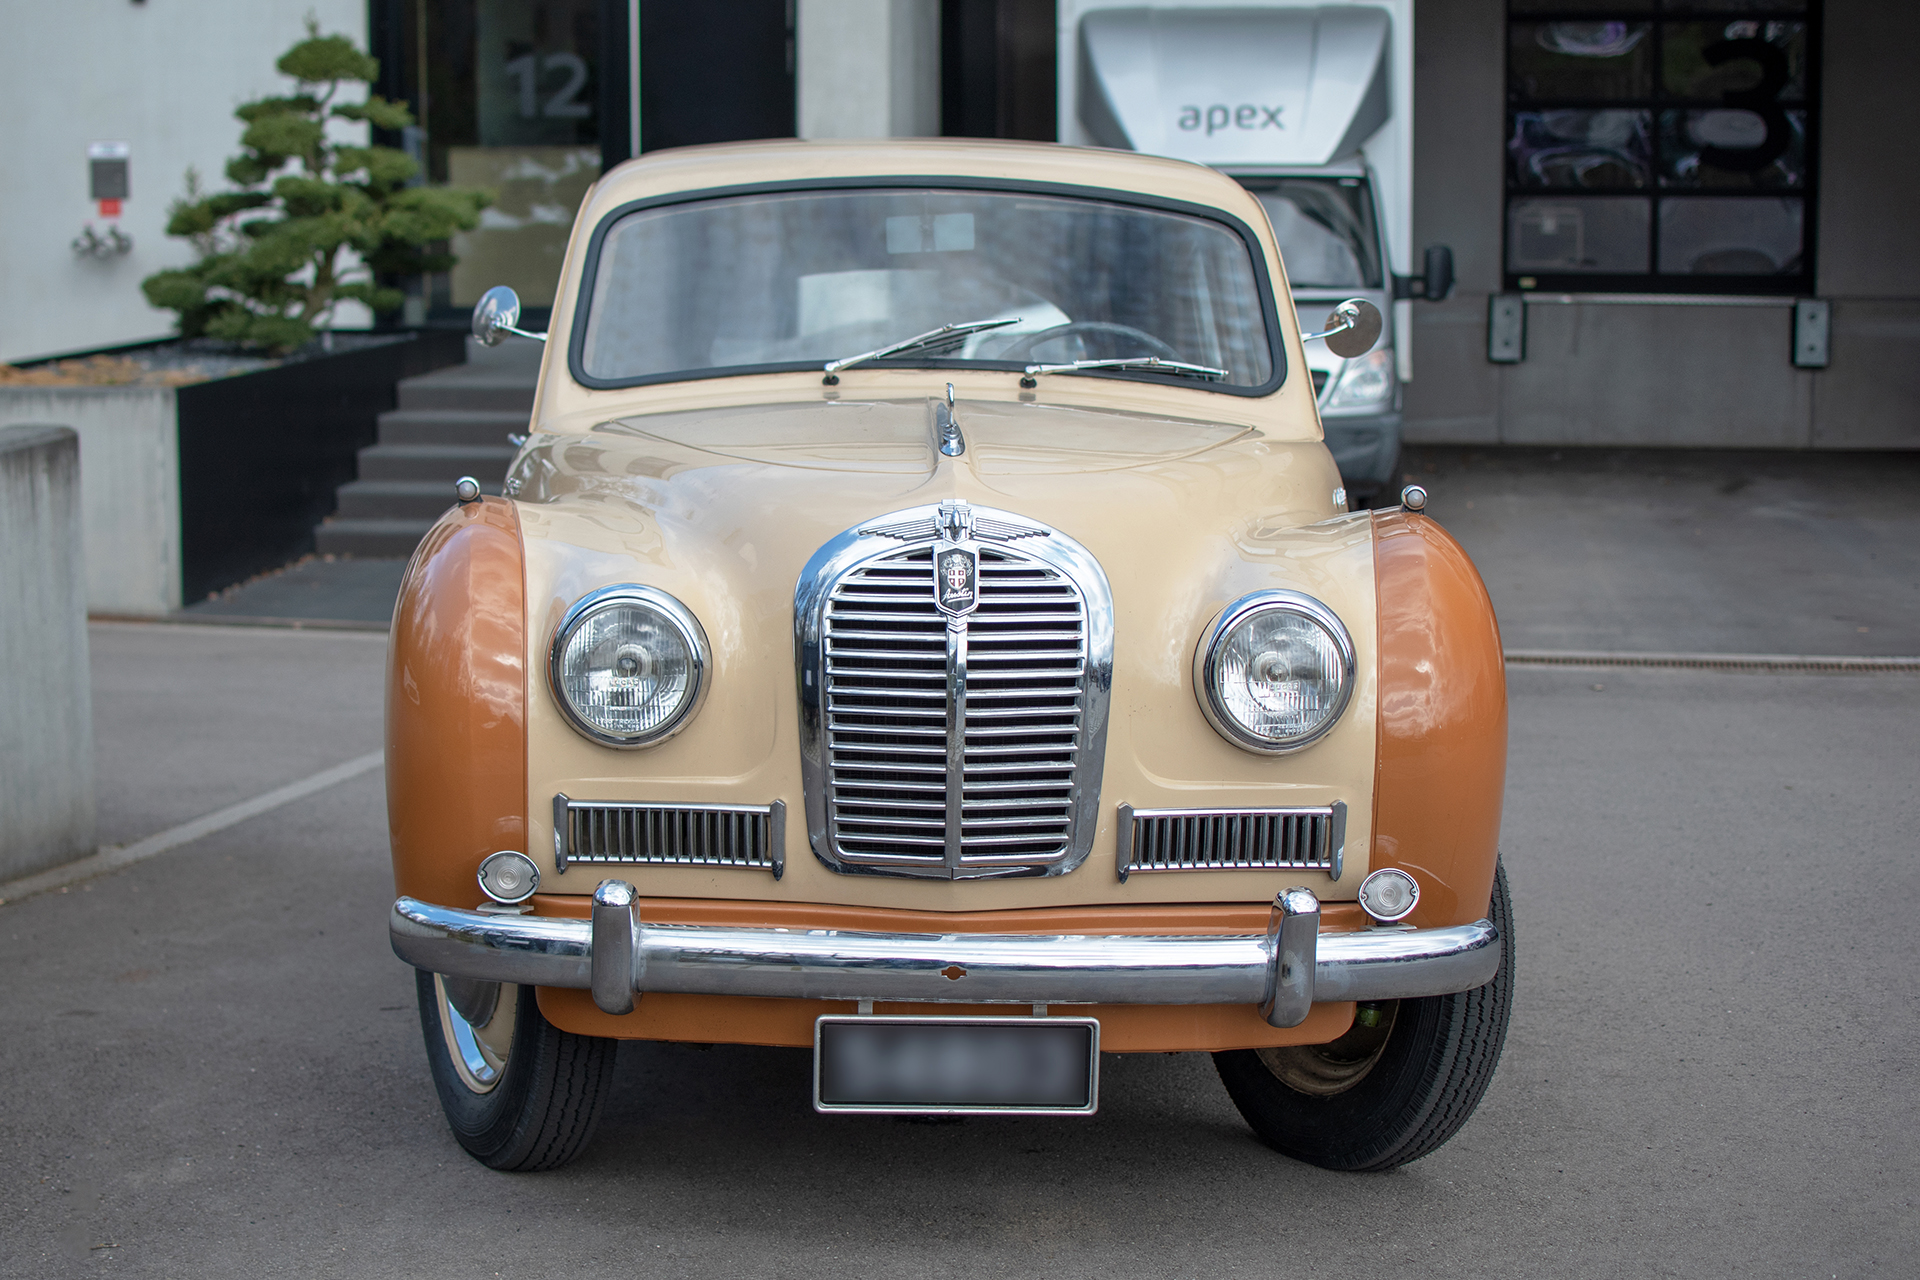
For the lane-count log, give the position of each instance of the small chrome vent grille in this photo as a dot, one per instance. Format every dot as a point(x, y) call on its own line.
point(751, 836)
point(1232, 839)
point(955, 746)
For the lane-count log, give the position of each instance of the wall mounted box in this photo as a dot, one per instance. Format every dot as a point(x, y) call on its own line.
point(1507, 328)
point(1812, 333)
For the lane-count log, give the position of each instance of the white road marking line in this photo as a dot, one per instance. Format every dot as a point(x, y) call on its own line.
point(114, 858)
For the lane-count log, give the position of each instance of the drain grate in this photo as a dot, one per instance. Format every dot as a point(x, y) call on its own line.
point(1757, 662)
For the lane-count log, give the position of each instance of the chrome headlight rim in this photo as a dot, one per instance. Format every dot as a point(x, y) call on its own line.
point(1206, 661)
point(682, 620)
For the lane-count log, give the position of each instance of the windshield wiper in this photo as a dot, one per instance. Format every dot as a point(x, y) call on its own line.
point(946, 334)
point(1154, 363)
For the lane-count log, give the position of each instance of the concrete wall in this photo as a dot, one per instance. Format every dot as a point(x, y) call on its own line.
point(868, 68)
point(163, 77)
point(46, 706)
point(129, 488)
point(1603, 372)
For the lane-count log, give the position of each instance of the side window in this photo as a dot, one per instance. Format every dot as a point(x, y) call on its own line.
point(1661, 145)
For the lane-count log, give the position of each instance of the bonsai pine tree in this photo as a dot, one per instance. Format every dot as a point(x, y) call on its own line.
point(311, 222)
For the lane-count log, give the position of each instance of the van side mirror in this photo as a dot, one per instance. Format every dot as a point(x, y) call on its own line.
point(1439, 274)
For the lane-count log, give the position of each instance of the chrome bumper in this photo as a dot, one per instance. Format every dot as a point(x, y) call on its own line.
point(614, 955)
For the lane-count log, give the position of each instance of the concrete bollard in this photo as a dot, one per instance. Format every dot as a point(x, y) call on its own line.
point(46, 691)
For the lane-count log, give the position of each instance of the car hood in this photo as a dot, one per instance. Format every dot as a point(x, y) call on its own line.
point(749, 493)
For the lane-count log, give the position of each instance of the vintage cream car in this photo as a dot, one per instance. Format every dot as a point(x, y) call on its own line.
point(924, 626)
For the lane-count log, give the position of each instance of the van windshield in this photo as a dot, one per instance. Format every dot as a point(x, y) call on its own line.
point(795, 279)
point(1326, 230)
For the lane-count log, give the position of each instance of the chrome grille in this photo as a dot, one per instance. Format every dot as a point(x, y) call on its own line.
point(954, 747)
point(885, 667)
point(751, 836)
point(1026, 653)
point(1306, 839)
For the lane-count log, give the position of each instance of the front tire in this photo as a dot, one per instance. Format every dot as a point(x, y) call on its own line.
point(1395, 1087)
point(519, 1094)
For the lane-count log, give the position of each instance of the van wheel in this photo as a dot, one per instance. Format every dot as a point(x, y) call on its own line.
point(519, 1094)
point(1396, 1086)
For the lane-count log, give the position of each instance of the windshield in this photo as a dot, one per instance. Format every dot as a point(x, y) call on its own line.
point(801, 278)
point(1325, 228)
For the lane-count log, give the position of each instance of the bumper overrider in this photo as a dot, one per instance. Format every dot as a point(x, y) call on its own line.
point(615, 955)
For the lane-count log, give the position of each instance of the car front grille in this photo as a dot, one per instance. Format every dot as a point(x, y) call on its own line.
point(750, 836)
point(1303, 839)
point(957, 748)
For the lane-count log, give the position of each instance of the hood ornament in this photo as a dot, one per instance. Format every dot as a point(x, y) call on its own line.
point(946, 427)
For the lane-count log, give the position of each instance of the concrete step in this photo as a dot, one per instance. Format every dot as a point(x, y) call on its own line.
point(400, 499)
point(452, 426)
point(442, 463)
point(464, 388)
point(369, 539)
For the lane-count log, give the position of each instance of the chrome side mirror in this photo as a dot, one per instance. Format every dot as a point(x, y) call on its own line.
point(497, 314)
point(1352, 328)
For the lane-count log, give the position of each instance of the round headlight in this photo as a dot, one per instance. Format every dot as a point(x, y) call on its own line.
point(1274, 671)
point(629, 666)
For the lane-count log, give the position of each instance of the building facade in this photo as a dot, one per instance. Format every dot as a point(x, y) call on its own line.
point(1675, 222)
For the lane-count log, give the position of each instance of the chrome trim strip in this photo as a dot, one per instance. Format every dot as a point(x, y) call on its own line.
point(956, 816)
point(1375, 964)
point(777, 837)
point(560, 807)
point(1336, 839)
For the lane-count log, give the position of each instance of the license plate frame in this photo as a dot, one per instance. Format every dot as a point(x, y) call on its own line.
point(834, 1035)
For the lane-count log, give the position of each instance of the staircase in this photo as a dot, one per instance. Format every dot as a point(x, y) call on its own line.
point(450, 423)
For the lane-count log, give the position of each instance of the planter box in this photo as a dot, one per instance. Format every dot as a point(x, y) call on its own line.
point(186, 490)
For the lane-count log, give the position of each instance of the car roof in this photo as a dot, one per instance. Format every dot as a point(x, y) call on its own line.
point(782, 161)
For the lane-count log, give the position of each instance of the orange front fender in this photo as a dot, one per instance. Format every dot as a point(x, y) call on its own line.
point(1441, 755)
point(457, 704)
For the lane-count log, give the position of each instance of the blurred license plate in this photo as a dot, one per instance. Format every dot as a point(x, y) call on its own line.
point(948, 1066)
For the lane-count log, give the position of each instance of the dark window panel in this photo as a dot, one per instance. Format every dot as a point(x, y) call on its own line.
point(1577, 235)
point(1740, 62)
point(1733, 149)
point(717, 71)
point(1573, 149)
point(1731, 236)
point(998, 69)
point(1738, 6)
point(1580, 60)
point(1519, 7)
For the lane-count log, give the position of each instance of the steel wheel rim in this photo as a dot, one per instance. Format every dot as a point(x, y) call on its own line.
point(479, 1053)
point(1323, 1070)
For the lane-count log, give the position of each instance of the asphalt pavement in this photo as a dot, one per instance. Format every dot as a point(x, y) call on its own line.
point(214, 1066)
